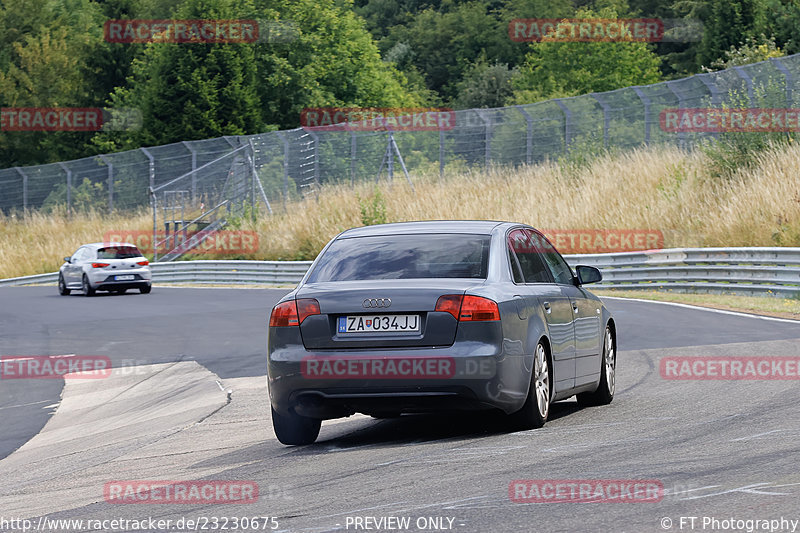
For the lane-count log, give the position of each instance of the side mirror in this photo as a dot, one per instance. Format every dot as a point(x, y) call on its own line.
point(68, 259)
point(588, 274)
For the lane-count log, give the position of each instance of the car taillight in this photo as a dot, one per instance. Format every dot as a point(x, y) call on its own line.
point(478, 308)
point(306, 307)
point(283, 315)
point(293, 312)
point(449, 303)
point(99, 265)
point(143, 263)
point(468, 308)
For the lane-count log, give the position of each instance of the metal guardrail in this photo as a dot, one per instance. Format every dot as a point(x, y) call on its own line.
point(753, 271)
point(227, 272)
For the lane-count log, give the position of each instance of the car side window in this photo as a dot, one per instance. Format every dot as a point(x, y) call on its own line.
point(516, 273)
point(561, 271)
point(78, 255)
point(529, 257)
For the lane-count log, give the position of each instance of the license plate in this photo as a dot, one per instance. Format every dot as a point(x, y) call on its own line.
point(126, 277)
point(378, 324)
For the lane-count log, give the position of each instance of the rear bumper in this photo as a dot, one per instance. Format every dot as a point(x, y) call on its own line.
point(331, 384)
point(104, 279)
point(122, 285)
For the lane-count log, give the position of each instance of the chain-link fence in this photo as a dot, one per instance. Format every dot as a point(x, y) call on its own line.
point(292, 163)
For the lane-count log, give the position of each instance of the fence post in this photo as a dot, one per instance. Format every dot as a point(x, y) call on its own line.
point(749, 81)
point(285, 141)
point(69, 187)
point(441, 153)
point(390, 156)
point(24, 188)
point(153, 204)
point(646, 102)
point(152, 167)
point(681, 134)
point(352, 156)
point(315, 138)
point(487, 138)
point(716, 101)
point(567, 123)
point(528, 134)
point(251, 167)
point(256, 180)
point(110, 165)
point(606, 117)
point(788, 76)
point(194, 167)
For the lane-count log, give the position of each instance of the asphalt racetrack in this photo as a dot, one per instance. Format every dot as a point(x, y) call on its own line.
point(187, 400)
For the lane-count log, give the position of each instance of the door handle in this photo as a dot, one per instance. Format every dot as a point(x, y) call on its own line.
point(546, 306)
point(575, 307)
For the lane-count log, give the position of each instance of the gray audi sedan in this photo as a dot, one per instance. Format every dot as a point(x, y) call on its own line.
point(437, 316)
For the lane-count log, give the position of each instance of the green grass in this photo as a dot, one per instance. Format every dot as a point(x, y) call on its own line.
point(760, 305)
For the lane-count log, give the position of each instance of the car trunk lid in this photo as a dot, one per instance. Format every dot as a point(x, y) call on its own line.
point(366, 300)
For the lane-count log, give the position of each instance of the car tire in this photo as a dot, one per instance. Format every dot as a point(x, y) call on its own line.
point(146, 289)
point(62, 287)
point(87, 287)
point(608, 375)
point(534, 412)
point(295, 429)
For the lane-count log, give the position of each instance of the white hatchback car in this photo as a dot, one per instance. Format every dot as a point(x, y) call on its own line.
point(114, 267)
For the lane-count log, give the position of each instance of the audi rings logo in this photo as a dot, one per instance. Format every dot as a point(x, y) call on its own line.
point(371, 303)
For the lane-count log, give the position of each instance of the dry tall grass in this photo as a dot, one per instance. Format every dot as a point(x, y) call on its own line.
point(658, 188)
point(38, 243)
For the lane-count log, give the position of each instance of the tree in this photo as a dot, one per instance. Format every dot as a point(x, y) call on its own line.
point(485, 85)
point(558, 69)
point(446, 39)
point(751, 51)
point(783, 24)
point(188, 91)
point(729, 23)
point(333, 61)
point(45, 46)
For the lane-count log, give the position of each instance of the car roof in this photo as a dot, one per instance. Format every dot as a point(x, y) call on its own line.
point(429, 226)
point(97, 245)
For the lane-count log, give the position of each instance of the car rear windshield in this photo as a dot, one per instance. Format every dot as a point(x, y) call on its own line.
point(436, 255)
point(118, 252)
